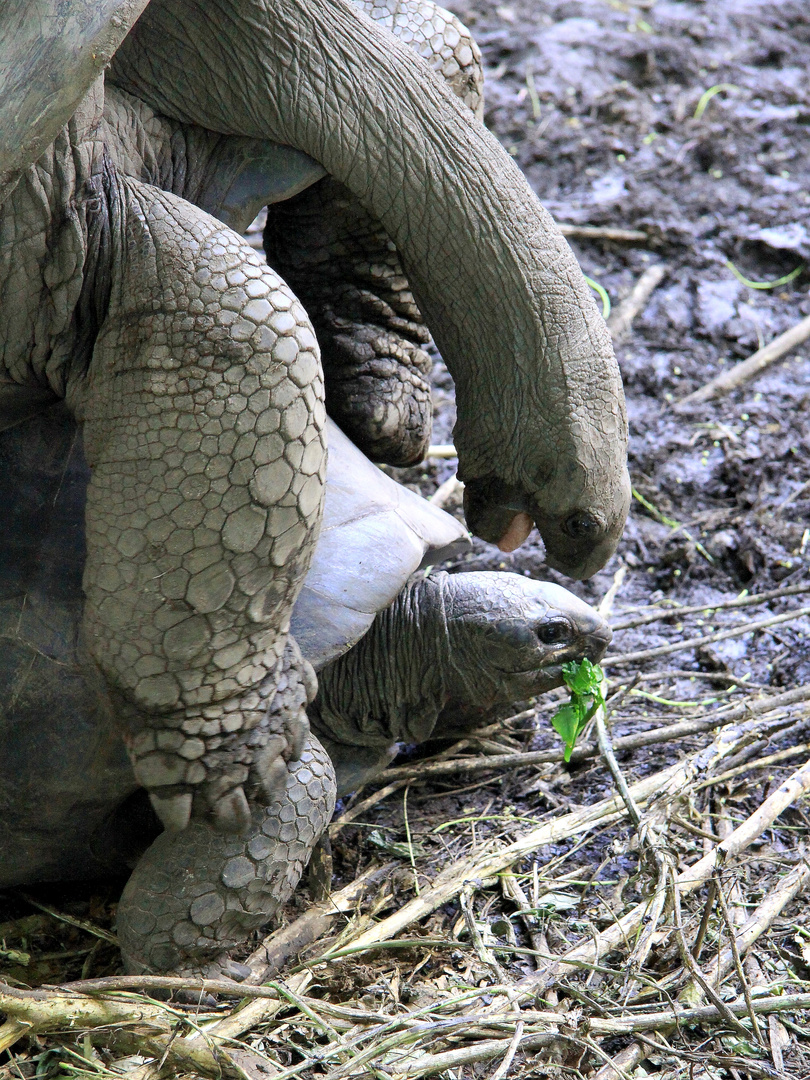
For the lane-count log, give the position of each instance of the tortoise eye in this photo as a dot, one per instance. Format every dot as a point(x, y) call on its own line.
point(556, 632)
point(580, 524)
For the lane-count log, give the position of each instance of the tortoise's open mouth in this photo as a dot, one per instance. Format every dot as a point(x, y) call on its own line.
point(497, 512)
point(519, 528)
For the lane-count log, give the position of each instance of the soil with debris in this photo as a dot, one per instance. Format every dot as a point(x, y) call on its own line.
point(596, 102)
point(687, 121)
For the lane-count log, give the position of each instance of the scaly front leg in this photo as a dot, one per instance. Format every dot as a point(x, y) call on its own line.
point(196, 894)
point(203, 423)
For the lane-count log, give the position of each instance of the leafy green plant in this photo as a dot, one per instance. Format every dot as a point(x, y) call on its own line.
point(584, 680)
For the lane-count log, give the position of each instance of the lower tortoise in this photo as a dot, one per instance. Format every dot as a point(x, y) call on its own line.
point(395, 657)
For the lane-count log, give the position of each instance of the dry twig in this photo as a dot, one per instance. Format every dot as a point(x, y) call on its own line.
point(687, 881)
point(704, 639)
point(603, 232)
point(675, 612)
point(620, 320)
point(748, 369)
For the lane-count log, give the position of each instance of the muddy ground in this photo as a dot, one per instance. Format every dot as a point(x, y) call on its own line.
point(596, 100)
point(596, 103)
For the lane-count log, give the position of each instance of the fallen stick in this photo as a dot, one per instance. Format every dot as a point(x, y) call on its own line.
point(694, 876)
point(696, 609)
point(64, 1010)
point(667, 674)
point(486, 1050)
point(10, 1032)
point(620, 320)
point(175, 1056)
point(129, 1025)
point(759, 763)
point(112, 984)
point(445, 492)
point(60, 1010)
point(697, 725)
point(603, 232)
point(759, 921)
point(748, 369)
point(656, 1021)
point(704, 639)
point(356, 811)
point(316, 921)
point(486, 865)
point(623, 1063)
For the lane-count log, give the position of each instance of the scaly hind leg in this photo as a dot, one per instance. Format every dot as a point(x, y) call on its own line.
point(203, 426)
point(349, 275)
point(197, 894)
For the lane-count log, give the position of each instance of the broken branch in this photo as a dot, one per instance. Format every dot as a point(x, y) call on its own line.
point(748, 369)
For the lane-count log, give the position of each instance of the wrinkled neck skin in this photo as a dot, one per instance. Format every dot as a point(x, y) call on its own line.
point(391, 686)
point(441, 641)
point(541, 411)
point(230, 177)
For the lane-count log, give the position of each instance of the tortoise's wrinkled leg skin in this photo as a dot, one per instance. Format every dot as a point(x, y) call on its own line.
point(371, 333)
point(197, 894)
point(440, 38)
point(203, 426)
point(350, 278)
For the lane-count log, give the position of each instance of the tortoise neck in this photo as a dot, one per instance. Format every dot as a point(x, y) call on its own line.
point(497, 284)
point(392, 685)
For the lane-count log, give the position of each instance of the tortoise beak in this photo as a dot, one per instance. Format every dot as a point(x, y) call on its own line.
point(497, 513)
point(518, 531)
point(596, 640)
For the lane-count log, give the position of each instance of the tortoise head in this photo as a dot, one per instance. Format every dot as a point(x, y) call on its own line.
point(510, 636)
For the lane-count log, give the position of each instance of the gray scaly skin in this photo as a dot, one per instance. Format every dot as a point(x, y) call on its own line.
point(341, 264)
point(196, 894)
point(468, 641)
point(349, 276)
point(449, 644)
point(196, 374)
point(541, 429)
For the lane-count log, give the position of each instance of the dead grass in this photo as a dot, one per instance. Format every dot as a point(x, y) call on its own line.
point(534, 931)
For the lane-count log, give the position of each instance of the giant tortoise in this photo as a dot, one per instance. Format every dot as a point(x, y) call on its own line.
point(69, 804)
point(194, 371)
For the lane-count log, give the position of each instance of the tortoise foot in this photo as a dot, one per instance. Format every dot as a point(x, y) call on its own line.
point(197, 894)
point(348, 275)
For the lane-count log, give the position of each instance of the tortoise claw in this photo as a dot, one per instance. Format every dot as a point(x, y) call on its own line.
point(174, 811)
point(298, 733)
point(232, 812)
point(273, 779)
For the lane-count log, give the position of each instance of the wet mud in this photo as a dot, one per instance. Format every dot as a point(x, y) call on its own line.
point(688, 122)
